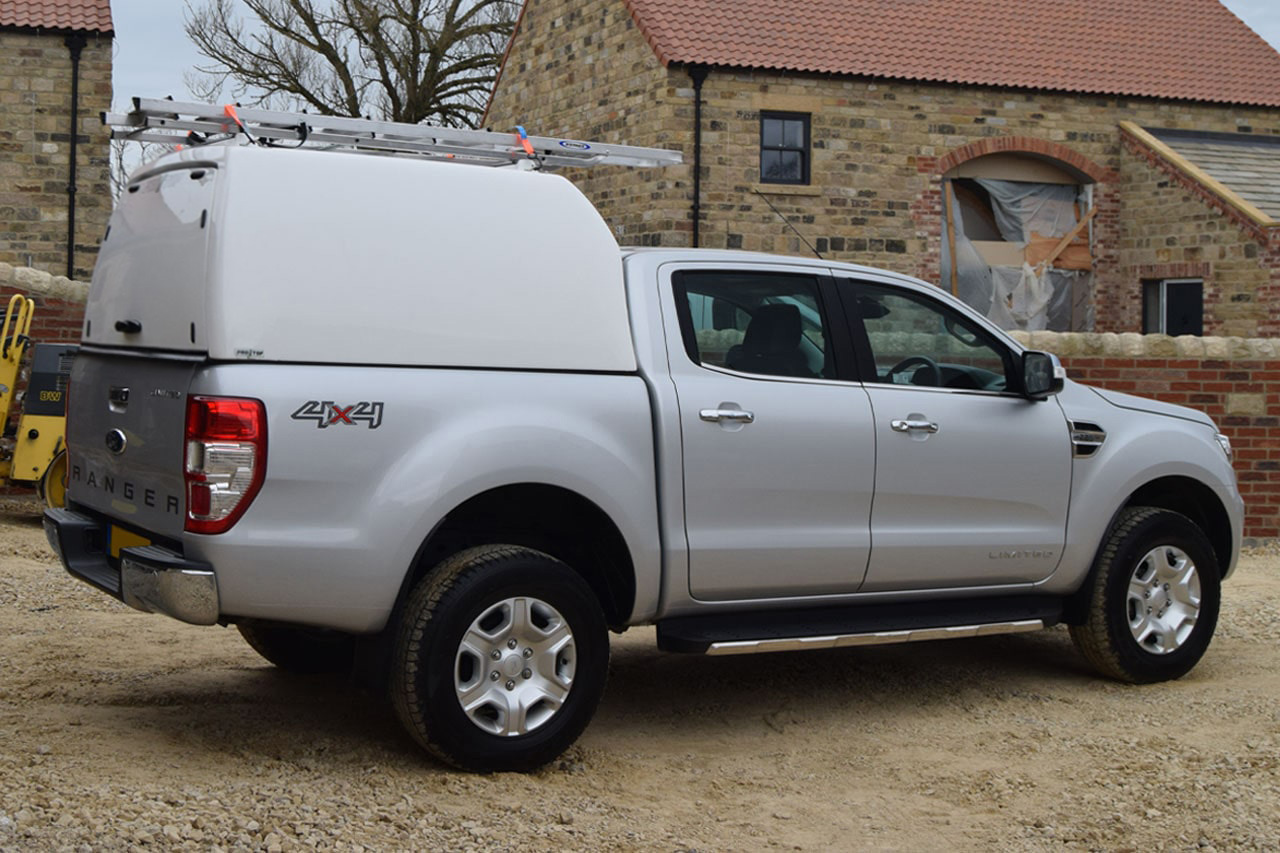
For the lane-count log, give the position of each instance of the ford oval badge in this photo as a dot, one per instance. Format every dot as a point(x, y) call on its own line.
point(576, 146)
point(116, 441)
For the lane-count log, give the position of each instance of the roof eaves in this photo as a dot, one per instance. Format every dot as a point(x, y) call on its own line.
point(57, 31)
point(956, 80)
point(652, 40)
point(1200, 176)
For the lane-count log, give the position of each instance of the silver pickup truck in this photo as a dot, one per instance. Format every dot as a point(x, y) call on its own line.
point(427, 420)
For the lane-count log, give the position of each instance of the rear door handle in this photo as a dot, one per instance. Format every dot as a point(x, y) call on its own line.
point(911, 425)
point(721, 415)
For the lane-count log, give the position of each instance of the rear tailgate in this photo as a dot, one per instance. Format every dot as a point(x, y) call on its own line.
point(125, 437)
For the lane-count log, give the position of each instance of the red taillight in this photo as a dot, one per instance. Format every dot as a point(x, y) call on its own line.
point(226, 460)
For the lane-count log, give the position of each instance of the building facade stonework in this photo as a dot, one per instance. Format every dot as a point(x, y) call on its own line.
point(880, 150)
point(35, 149)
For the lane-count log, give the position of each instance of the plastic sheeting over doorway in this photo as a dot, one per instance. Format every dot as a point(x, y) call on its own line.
point(1022, 251)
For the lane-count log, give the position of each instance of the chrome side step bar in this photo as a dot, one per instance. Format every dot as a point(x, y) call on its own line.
point(874, 638)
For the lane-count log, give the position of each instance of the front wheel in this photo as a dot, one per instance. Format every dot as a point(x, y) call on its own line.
point(1154, 601)
point(500, 659)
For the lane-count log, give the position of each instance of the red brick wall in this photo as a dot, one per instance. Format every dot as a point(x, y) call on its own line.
point(57, 320)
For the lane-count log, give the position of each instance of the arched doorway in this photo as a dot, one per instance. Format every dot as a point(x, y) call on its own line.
point(1017, 240)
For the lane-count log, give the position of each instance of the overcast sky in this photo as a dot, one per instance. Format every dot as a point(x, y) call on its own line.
point(152, 51)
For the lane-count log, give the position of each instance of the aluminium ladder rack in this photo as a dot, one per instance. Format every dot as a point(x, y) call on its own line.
point(178, 123)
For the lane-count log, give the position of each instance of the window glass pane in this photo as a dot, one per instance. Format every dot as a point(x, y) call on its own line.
point(915, 341)
point(758, 323)
point(771, 132)
point(1184, 309)
point(793, 134)
point(781, 165)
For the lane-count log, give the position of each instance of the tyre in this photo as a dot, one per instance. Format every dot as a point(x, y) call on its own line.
point(1153, 604)
point(298, 648)
point(500, 659)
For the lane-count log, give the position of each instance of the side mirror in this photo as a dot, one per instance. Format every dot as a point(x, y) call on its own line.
point(1042, 375)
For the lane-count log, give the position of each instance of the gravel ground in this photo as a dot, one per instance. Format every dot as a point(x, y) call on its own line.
point(120, 730)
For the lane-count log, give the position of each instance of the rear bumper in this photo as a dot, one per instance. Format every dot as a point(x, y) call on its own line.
point(150, 578)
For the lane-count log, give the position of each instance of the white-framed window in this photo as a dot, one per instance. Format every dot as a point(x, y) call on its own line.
point(1173, 306)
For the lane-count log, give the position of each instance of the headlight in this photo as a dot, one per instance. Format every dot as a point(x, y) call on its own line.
point(1225, 444)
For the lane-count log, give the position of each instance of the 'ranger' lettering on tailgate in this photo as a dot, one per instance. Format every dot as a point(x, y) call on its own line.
point(109, 484)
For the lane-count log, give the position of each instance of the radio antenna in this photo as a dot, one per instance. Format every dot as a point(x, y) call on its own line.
point(788, 224)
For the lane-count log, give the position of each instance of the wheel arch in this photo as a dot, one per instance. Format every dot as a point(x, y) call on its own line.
point(547, 518)
point(1181, 494)
point(1196, 501)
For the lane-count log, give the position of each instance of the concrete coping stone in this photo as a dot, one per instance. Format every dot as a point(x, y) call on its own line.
point(40, 283)
point(1134, 345)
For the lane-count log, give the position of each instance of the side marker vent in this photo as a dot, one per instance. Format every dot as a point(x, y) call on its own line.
point(1086, 438)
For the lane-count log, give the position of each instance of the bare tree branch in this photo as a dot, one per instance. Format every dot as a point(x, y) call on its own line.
point(401, 60)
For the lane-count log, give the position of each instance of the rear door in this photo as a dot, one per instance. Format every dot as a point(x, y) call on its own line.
point(779, 454)
point(151, 274)
point(972, 479)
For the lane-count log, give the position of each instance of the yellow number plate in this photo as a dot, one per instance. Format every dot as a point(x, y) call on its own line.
point(121, 538)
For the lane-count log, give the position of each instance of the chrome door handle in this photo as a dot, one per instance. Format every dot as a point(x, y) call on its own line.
point(908, 426)
point(721, 415)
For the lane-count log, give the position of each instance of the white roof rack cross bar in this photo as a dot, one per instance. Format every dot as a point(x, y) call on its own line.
point(172, 123)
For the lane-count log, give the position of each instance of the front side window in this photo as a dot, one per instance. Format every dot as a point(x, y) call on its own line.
point(755, 322)
point(784, 148)
point(1173, 306)
point(914, 340)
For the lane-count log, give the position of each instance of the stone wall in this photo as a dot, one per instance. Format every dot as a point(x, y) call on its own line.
point(879, 152)
point(1236, 381)
point(35, 150)
point(1172, 227)
point(590, 75)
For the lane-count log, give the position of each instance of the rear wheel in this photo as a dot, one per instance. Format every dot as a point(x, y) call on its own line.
point(299, 648)
point(1154, 602)
point(500, 660)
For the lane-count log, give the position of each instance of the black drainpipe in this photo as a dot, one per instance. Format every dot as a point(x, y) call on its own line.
point(75, 43)
point(698, 73)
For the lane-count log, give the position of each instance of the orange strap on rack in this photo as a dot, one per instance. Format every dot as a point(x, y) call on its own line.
point(230, 111)
point(524, 141)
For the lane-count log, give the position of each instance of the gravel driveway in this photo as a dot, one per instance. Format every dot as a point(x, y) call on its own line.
point(120, 730)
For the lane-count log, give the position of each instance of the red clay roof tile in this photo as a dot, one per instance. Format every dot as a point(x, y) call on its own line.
point(78, 15)
point(1184, 49)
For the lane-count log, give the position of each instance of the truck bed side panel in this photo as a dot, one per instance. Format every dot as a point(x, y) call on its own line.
point(363, 464)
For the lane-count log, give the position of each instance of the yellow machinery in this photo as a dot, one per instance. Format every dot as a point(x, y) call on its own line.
point(39, 457)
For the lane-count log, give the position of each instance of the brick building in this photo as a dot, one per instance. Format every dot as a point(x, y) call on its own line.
point(1143, 136)
point(55, 75)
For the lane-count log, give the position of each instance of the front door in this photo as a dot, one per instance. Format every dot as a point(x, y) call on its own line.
point(972, 478)
point(779, 456)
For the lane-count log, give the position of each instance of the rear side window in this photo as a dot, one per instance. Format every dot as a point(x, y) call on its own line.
point(762, 323)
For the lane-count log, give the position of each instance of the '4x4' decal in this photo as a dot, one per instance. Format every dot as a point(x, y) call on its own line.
point(327, 413)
